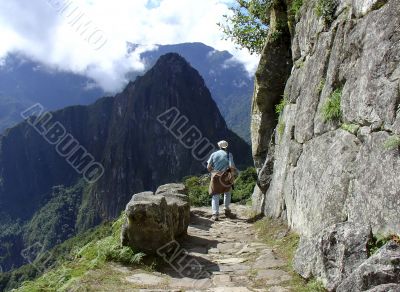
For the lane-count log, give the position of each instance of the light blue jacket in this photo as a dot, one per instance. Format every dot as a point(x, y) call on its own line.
point(219, 160)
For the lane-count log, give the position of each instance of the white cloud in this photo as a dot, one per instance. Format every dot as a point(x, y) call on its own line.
point(45, 32)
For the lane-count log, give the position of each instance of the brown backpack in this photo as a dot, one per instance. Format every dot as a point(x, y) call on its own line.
point(221, 182)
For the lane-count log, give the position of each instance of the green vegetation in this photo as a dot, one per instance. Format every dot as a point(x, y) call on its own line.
point(198, 188)
point(275, 35)
point(50, 225)
point(312, 286)
point(281, 105)
point(281, 128)
point(276, 234)
point(85, 254)
point(59, 253)
point(351, 128)
point(250, 20)
point(331, 110)
point(9, 230)
point(86, 216)
point(320, 86)
point(299, 64)
point(244, 186)
point(284, 242)
point(392, 142)
point(379, 4)
point(294, 8)
point(377, 241)
point(55, 221)
point(326, 10)
point(248, 24)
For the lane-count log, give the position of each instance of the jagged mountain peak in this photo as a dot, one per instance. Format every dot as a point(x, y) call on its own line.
point(175, 65)
point(174, 59)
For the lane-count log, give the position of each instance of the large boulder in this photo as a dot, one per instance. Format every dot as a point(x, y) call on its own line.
point(333, 254)
point(154, 220)
point(172, 188)
point(381, 272)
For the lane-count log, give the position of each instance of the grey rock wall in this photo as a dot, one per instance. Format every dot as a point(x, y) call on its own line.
point(381, 272)
point(317, 173)
point(333, 254)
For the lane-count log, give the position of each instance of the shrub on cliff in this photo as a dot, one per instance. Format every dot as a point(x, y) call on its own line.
point(249, 22)
point(326, 9)
point(247, 25)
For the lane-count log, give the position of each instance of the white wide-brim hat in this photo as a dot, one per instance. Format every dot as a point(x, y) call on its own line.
point(223, 144)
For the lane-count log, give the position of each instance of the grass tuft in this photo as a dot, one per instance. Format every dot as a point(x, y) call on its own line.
point(281, 105)
point(392, 142)
point(281, 128)
point(351, 128)
point(331, 110)
point(295, 7)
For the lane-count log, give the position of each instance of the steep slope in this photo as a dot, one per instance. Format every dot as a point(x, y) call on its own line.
point(332, 155)
point(227, 80)
point(137, 147)
point(24, 82)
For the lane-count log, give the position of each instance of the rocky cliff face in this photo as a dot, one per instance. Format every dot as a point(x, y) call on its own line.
point(159, 129)
point(324, 161)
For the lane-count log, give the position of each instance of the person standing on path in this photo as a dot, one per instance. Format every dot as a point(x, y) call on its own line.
point(219, 162)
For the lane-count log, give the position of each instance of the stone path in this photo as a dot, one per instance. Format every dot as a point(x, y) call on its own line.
point(215, 256)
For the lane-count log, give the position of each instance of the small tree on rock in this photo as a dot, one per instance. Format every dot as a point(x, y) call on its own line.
point(247, 25)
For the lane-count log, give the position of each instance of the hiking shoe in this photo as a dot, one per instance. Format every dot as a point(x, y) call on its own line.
point(229, 214)
point(215, 218)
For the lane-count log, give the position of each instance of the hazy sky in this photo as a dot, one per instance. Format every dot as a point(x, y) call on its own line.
point(89, 36)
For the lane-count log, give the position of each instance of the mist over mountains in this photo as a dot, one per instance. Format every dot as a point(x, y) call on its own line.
point(24, 82)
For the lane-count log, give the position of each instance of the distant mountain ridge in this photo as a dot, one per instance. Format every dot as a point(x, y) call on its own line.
point(24, 82)
point(129, 134)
